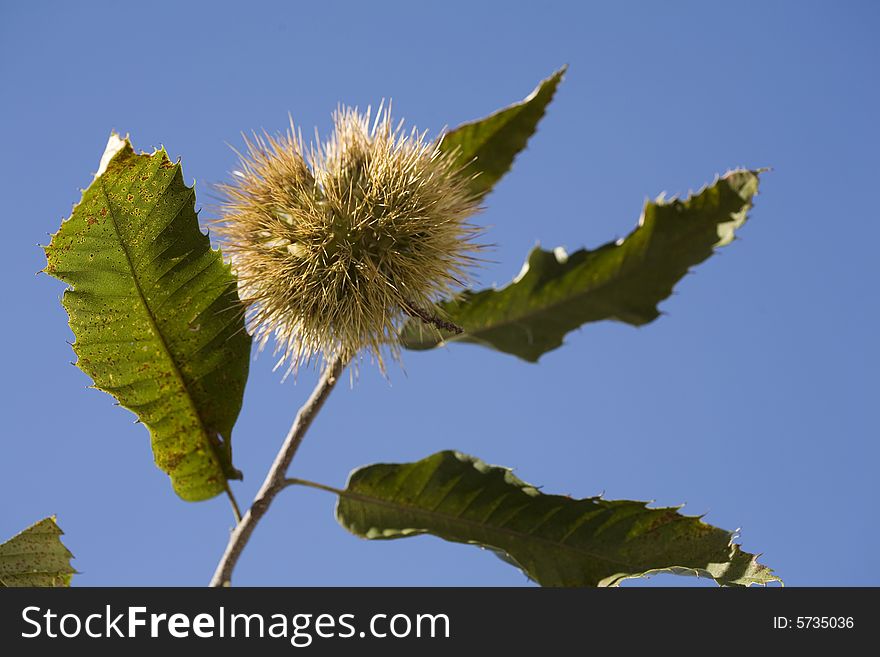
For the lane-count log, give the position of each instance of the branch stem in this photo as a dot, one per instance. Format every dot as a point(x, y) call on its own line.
point(275, 480)
point(430, 317)
point(236, 511)
point(312, 484)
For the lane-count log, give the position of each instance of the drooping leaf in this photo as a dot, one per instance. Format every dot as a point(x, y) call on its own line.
point(156, 315)
point(488, 146)
point(624, 280)
point(36, 557)
point(556, 540)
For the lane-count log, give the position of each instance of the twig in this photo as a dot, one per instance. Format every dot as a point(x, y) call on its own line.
point(311, 484)
point(431, 318)
point(275, 479)
point(236, 512)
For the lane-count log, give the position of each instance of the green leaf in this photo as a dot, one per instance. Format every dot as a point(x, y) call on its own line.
point(36, 557)
point(554, 539)
point(156, 315)
point(488, 146)
point(624, 280)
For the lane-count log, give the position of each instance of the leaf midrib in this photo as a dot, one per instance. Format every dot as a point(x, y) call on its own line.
point(513, 110)
point(530, 314)
point(152, 318)
point(534, 312)
point(398, 506)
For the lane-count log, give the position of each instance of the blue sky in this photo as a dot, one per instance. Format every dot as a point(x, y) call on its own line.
point(752, 399)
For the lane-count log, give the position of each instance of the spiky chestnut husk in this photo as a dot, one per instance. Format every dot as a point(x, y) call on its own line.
point(335, 244)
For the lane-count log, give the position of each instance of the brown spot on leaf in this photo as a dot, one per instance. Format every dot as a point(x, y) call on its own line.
point(172, 460)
